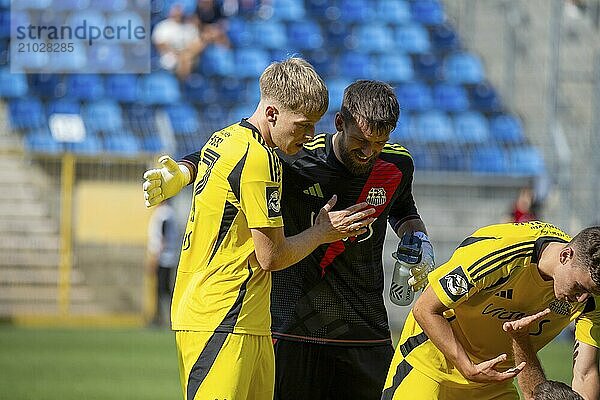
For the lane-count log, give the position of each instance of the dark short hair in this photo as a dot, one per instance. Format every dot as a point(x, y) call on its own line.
point(553, 390)
point(372, 105)
point(587, 251)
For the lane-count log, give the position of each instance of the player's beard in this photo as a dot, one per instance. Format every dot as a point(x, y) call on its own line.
point(351, 163)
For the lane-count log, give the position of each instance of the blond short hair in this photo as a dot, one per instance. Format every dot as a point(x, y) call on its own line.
point(295, 84)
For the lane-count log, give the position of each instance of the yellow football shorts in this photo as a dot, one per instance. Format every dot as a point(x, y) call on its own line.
point(405, 382)
point(225, 366)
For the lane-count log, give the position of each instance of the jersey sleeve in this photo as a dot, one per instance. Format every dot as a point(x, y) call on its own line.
point(587, 326)
point(404, 207)
point(480, 262)
point(260, 189)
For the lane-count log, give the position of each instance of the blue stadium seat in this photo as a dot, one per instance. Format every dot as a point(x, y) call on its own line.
point(337, 34)
point(320, 59)
point(424, 159)
point(488, 159)
point(75, 61)
point(158, 88)
point(199, 89)
point(63, 106)
point(288, 10)
point(507, 129)
point(26, 113)
point(31, 60)
point(471, 127)
point(452, 157)
point(428, 66)
point(414, 96)
point(525, 161)
point(85, 86)
point(107, 57)
point(449, 97)
point(46, 85)
point(269, 34)
point(12, 85)
point(184, 118)
point(444, 38)
point(304, 35)
point(41, 141)
point(464, 68)
point(232, 91)
point(91, 16)
point(140, 119)
point(121, 87)
point(239, 33)
point(250, 63)
point(4, 52)
point(123, 143)
point(188, 6)
point(17, 18)
point(70, 5)
point(91, 145)
point(239, 112)
point(432, 127)
point(251, 92)
point(336, 88)
point(484, 98)
point(428, 12)
point(31, 4)
point(395, 12)
point(412, 38)
point(355, 65)
point(108, 5)
point(394, 68)
point(152, 144)
point(103, 116)
point(326, 123)
point(402, 133)
point(356, 11)
point(126, 18)
point(317, 8)
point(218, 61)
point(374, 38)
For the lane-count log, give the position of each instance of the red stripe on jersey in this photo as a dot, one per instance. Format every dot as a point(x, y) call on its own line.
point(384, 175)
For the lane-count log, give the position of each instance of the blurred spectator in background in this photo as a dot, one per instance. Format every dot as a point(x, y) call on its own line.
point(163, 256)
point(525, 207)
point(210, 18)
point(178, 42)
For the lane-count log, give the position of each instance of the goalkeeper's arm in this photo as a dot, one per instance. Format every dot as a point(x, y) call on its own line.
point(165, 182)
point(420, 271)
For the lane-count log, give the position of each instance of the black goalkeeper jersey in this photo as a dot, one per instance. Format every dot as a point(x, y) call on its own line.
point(335, 295)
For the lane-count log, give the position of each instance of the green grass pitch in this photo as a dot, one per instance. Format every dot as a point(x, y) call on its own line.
point(106, 364)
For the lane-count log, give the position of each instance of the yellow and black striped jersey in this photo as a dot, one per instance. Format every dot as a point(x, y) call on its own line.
point(492, 277)
point(220, 285)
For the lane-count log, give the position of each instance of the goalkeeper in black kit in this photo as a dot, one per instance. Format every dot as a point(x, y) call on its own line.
point(329, 323)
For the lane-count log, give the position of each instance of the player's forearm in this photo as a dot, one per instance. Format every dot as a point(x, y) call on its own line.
point(533, 374)
point(586, 378)
point(279, 252)
point(440, 333)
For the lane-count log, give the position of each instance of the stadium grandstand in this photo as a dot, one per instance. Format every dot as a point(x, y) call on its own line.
point(495, 96)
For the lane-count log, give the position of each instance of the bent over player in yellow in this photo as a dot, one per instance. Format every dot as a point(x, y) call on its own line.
point(453, 345)
point(234, 237)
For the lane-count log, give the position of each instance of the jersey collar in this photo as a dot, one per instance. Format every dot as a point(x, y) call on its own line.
point(255, 132)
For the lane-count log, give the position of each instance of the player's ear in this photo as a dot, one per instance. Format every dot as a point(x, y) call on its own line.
point(566, 254)
point(339, 122)
point(271, 112)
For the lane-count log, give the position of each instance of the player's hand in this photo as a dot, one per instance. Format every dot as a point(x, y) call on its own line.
point(419, 272)
point(165, 182)
point(520, 327)
point(486, 372)
point(337, 225)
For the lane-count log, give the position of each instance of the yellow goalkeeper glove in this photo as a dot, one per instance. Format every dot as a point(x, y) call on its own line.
point(163, 183)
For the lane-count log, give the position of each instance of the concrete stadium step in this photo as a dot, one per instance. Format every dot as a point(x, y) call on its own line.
point(29, 259)
point(35, 242)
point(50, 308)
point(20, 294)
point(13, 171)
point(17, 192)
point(27, 225)
point(35, 276)
point(24, 208)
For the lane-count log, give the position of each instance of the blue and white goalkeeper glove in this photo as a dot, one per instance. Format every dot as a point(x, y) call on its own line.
point(163, 183)
point(420, 271)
